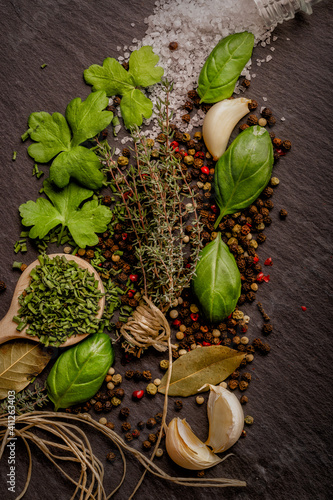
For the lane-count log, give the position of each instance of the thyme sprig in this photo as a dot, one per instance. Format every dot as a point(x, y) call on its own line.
point(27, 400)
point(158, 201)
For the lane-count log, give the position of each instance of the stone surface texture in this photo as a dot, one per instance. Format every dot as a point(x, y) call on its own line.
point(286, 454)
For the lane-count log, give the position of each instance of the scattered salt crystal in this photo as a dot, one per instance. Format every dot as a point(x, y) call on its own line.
point(197, 26)
point(117, 152)
point(268, 58)
point(118, 48)
point(264, 99)
point(288, 39)
point(262, 109)
point(132, 24)
point(120, 58)
point(127, 54)
point(275, 38)
point(272, 49)
point(283, 119)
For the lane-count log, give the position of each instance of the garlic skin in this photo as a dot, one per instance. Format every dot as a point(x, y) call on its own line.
point(219, 123)
point(185, 449)
point(226, 418)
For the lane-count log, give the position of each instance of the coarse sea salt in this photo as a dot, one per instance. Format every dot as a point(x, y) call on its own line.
point(197, 26)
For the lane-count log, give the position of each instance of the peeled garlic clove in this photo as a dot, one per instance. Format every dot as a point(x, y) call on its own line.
point(220, 121)
point(226, 418)
point(185, 449)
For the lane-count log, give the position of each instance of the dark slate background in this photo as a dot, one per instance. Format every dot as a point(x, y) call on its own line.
point(286, 454)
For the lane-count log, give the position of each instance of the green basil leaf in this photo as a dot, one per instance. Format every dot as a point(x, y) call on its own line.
point(79, 372)
point(142, 67)
point(243, 171)
point(210, 365)
point(217, 283)
point(111, 77)
point(134, 105)
point(223, 66)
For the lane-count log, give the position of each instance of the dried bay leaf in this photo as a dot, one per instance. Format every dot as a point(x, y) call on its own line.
point(20, 362)
point(208, 365)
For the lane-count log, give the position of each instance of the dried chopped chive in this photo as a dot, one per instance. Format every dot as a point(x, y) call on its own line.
point(14, 155)
point(56, 293)
point(43, 65)
point(25, 136)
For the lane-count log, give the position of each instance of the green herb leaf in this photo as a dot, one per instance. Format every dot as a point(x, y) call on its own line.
point(217, 283)
point(209, 365)
point(133, 106)
point(223, 66)
point(87, 118)
point(142, 67)
point(54, 135)
point(111, 77)
point(20, 362)
point(51, 134)
point(80, 164)
point(114, 80)
point(79, 372)
point(243, 171)
point(82, 223)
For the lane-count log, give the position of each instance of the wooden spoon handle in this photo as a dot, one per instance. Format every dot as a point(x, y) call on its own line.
point(8, 329)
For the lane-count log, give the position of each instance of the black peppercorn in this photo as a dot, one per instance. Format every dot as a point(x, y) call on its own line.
point(125, 427)
point(252, 105)
point(251, 296)
point(252, 120)
point(146, 375)
point(283, 213)
point(178, 405)
point(246, 376)
point(136, 433)
point(152, 438)
point(98, 407)
point(286, 145)
point(146, 445)
point(141, 425)
point(173, 46)
point(243, 400)
point(111, 456)
point(124, 413)
point(137, 376)
point(271, 121)
point(119, 393)
point(128, 436)
point(107, 406)
point(151, 422)
point(129, 374)
point(266, 113)
point(158, 417)
point(261, 238)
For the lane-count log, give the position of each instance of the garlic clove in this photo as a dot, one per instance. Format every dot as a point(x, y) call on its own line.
point(220, 121)
point(186, 449)
point(226, 418)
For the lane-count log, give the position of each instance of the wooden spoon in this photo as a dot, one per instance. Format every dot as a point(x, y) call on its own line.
point(8, 326)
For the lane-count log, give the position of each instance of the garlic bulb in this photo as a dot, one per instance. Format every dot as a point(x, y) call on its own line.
point(226, 418)
point(185, 449)
point(220, 121)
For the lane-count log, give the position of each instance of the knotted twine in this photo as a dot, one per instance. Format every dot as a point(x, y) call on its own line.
point(147, 327)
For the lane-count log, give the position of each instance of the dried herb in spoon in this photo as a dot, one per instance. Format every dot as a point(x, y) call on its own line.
point(61, 301)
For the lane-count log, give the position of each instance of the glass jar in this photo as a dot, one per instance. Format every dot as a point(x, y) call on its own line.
point(277, 11)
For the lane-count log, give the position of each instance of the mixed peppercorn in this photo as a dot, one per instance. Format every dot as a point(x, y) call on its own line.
point(243, 232)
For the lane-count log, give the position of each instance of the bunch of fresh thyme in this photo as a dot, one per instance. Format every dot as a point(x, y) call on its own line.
point(158, 202)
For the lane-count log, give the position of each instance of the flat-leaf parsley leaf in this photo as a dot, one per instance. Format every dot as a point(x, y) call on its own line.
point(82, 223)
point(60, 137)
point(115, 80)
